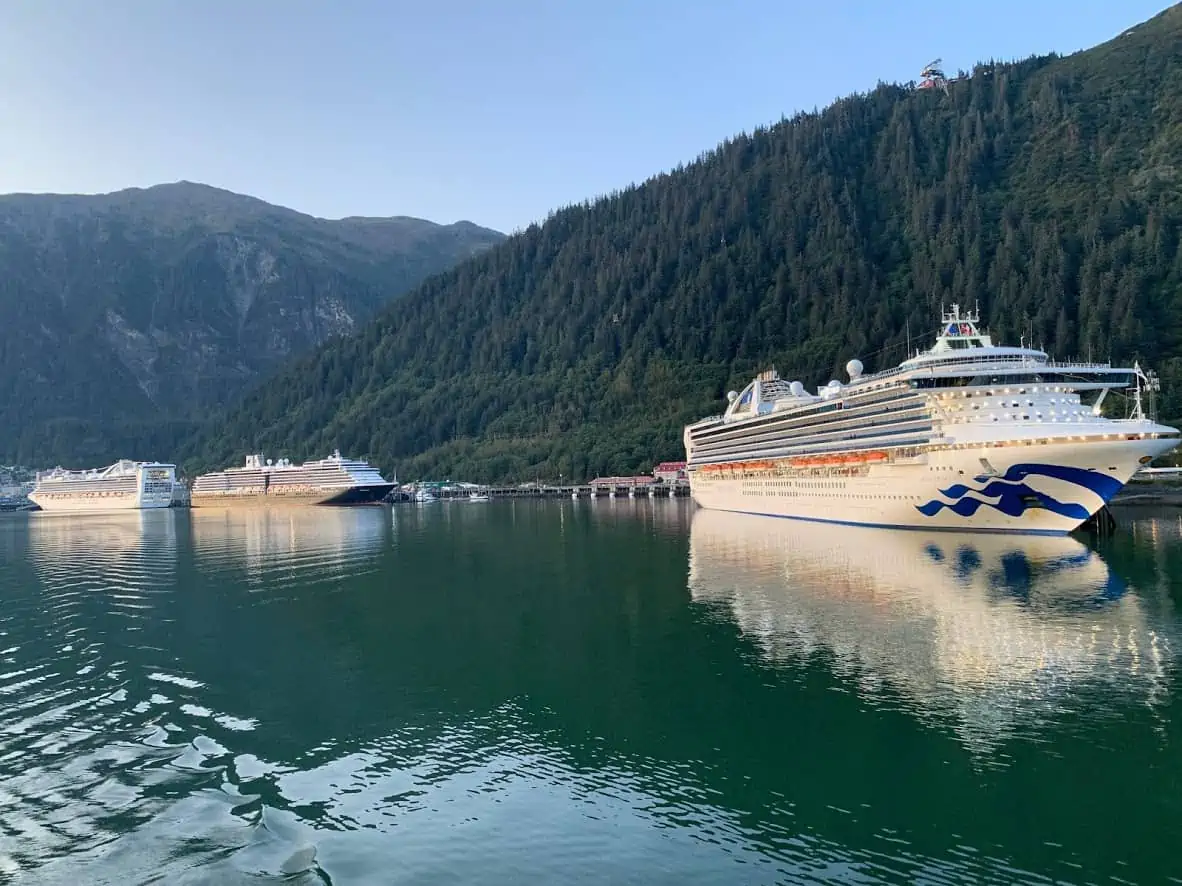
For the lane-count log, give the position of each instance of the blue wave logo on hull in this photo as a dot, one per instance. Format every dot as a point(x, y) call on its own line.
point(1014, 496)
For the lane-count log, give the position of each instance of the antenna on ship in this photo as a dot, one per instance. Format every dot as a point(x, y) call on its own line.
point(1145, 381)
point(1138, 413)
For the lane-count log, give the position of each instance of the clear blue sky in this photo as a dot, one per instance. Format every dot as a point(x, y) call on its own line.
point(491, 110)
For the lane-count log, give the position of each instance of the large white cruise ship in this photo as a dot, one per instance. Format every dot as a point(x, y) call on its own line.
point(333, 480)
point(966, 435)
point(125, 485)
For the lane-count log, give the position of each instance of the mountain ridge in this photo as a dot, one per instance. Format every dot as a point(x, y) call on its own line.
point(156, 306)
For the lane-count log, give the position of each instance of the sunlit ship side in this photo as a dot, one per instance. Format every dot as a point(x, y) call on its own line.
point(125, 485)
point(330, 481)
point(967, 435)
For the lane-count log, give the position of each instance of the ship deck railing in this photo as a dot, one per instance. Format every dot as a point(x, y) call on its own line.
point(987, 362)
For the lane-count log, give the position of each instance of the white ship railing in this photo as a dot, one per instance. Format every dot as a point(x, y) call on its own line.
point(989, 363)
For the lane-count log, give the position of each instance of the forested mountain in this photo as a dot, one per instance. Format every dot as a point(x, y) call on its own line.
point(125, 318)
point(1049, 190)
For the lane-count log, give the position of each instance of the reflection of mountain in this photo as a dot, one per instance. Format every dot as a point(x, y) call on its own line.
point(989, 628)
point(286, 544)
point(121, 550)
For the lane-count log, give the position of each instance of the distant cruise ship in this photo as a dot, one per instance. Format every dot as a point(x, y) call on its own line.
point(329, 481)
point(967, 435)
point(125, 485)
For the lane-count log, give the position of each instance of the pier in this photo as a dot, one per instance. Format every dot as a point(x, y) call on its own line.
point(607, 488)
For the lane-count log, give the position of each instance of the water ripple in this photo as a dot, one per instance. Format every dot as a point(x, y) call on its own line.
point(525, 692)
point(289, 547)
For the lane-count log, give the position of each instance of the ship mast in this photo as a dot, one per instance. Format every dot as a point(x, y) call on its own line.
point(1147, 381)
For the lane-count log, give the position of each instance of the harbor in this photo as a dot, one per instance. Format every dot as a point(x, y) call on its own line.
point(600, 445)
point(472, 668)
point(1149, 487)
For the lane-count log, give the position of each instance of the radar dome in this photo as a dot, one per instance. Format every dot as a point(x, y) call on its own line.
point(854, 368)
point(732, 396)
point(834, 383)
point(797, 389)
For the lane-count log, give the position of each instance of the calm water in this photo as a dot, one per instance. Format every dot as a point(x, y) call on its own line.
point(617, 692)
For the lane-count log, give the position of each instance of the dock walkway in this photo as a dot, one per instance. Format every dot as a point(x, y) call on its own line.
point(585, 490)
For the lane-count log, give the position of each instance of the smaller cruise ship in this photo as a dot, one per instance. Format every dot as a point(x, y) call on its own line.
point(125, 485)
point(330, 481)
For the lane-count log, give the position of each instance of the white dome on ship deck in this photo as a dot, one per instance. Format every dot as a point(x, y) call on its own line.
point(797, 389)
point(854, 369)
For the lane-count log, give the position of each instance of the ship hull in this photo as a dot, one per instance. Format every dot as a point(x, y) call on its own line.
point(74, 504)
point(1050, 488)
point(332, 496)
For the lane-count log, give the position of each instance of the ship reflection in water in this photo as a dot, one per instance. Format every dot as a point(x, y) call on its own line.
point(988, 631)
point(123, 553)
point(290, 544)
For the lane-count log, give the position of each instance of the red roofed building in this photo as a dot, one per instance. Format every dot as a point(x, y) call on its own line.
point(670, 471)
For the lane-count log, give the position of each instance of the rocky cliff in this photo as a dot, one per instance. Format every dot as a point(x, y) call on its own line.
point(161, 304)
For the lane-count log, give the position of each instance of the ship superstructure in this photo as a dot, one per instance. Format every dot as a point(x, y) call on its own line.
point(125, 485)
point(965, 435)
point(334, 480)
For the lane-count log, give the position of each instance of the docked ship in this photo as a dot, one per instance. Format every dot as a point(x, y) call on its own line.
point(125, 485)
point(330, 481)
point(966, 435)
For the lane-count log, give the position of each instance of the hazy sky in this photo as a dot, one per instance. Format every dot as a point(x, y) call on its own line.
point(495, 111)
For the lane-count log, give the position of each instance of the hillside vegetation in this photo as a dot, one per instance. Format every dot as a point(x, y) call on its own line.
point(126, 318)
point(1049, 191)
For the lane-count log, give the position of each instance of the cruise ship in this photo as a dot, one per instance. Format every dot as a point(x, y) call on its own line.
point(968, 435)
point(125, 485)
point(329, 481)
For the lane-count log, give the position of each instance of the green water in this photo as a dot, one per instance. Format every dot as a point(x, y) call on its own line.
point(577, 692)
